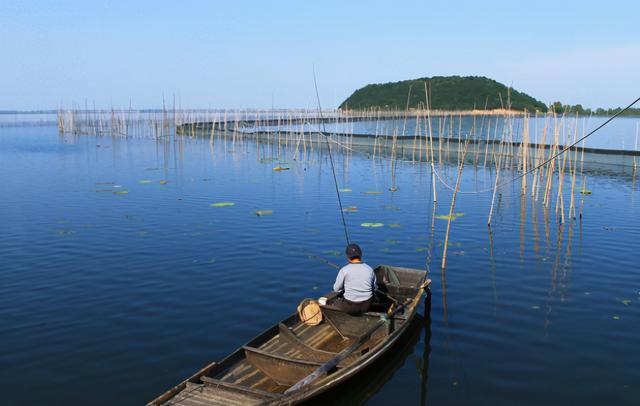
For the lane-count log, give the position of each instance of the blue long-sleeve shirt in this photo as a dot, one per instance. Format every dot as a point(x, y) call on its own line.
point(357, 280)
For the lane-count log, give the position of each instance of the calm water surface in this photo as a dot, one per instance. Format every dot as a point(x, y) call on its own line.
point(109, 297)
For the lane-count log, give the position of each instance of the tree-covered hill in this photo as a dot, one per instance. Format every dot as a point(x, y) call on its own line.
point(446, 93)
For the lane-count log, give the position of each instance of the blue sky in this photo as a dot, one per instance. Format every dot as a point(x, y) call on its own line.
point(243, 54)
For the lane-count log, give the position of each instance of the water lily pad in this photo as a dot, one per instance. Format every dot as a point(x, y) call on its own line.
point(335, 253)
point(281, 168)
point(626, 302)
point(585, 192)
point(120, 192)
point(267, 160)
point(372, 225)
point(222, 204)
point(392, 242)
point(350, 209)
point(145, 181)
point(65, 232)
point(263, 212)
point(372, 193)
point(102, 190)
point(345, 190)
point(163, 182)
point(391, 207)
point(421, 249)
point(535, 307)
point(453, 217)
point(395, 225)
point(385, 249)
point(616, 317)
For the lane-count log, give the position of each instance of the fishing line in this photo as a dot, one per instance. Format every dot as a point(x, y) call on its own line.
point(333, 169)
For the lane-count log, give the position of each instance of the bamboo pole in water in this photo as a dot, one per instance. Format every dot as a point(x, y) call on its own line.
point(433, 171)
point(495, 185)
point(525, 148)
point(573, 170)
point(452, 207)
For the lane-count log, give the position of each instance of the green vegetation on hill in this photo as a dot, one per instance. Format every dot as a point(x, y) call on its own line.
point(446, 93)
point(568, 108)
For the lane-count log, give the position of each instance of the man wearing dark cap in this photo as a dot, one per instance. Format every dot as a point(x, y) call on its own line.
point(358, 282)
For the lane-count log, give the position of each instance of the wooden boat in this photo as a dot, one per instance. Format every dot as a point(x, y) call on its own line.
point(292, 362)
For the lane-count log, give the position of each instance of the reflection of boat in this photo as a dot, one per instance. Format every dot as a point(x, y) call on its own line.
point(293, 362)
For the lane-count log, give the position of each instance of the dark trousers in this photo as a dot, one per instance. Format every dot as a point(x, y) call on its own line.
point(353, 308)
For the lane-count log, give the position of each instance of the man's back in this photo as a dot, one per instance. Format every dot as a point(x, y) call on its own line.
point(358, 281)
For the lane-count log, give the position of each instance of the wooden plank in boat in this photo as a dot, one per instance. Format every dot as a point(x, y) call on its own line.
point(347, 325)
point(236, 388)
point(283, 370)
point(201, 395)
point(308, 352)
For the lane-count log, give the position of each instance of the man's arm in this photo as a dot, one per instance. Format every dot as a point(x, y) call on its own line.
point(374, 281)
point(339, 285)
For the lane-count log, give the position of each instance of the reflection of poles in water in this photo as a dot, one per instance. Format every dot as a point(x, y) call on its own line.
point(567, 258)
point(523, 217)
point(534, 224)
point(545, 216)
point(554, 277)
point(426, 350)
point(635, 166)
point(492, 262)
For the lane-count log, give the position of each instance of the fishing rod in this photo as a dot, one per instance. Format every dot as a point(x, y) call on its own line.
point(333, 169)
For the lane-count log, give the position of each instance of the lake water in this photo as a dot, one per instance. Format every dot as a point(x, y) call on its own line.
point(109, 297)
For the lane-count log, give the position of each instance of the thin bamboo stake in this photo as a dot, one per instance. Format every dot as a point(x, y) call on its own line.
point(451, 208)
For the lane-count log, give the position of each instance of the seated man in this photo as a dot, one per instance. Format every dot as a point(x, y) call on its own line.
point(358, 281)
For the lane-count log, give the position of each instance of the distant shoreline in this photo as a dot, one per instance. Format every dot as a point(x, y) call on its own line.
point(373, 113)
